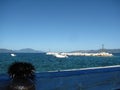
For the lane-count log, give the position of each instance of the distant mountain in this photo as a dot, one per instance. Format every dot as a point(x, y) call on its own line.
point(99, 50)
point(113, 50)
point(26, 50)
point(29, 50)
point(6, 51)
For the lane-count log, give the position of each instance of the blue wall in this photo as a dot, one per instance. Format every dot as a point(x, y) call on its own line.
point(104, 78)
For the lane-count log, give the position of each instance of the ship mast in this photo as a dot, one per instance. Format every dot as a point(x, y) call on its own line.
point(102, 48)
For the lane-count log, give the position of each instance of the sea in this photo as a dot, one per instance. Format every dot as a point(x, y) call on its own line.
point(43, 62)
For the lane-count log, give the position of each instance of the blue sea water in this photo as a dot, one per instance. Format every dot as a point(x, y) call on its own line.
point(43, 62)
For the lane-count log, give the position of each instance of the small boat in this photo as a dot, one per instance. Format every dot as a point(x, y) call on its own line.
point(13, 55)
point(60, 55)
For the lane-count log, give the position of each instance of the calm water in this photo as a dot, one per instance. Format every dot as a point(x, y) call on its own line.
point(43, 62)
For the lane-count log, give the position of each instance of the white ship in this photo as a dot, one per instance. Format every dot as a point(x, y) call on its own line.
point(58, 55)
point(64, 55)
point(87, 54)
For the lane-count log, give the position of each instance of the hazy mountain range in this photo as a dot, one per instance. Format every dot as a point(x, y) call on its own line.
point(99, 50)
point(26, 50)
point(29, 50)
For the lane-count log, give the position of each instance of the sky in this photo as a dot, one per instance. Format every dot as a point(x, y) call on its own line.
point(59, 25)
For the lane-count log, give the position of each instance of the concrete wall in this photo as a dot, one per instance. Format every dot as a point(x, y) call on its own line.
point(104, 78)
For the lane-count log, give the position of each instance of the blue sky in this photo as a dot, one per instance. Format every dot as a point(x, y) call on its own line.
point(59, 25)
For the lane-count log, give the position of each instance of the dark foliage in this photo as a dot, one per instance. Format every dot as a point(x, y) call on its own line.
point(21, 70)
